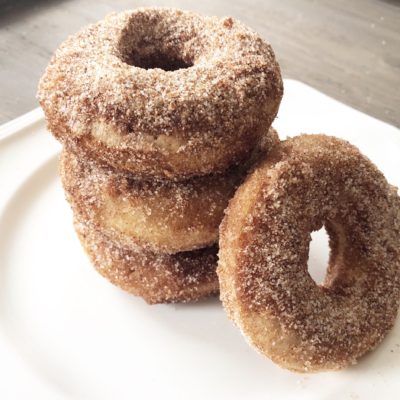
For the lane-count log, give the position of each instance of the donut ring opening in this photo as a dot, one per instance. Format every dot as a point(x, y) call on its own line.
point(318, 258)
point(141, 47)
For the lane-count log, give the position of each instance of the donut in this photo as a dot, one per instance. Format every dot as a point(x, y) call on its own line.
point(162, 93)
point(308, 182)
point(157, 215)
point(163, 216)
point(156, 277)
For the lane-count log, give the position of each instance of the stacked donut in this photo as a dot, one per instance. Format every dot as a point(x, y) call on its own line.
point(161, 113)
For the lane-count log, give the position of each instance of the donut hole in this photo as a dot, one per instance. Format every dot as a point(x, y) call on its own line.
point(151, 43)
point(318, 256)
point(157, 59)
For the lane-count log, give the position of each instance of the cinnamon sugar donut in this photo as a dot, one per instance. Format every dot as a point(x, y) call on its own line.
point(157, 278)
point(306, 183)
point(162, 216)
point(162, 93)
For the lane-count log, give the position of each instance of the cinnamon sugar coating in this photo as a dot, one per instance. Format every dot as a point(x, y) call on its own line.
point(307, 182)
point(162, 93)
point(157, 215)
point(156, 277)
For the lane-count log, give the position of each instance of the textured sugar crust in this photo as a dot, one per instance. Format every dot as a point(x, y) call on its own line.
point(156, 277)
point(105, 93)
point(161, 216)
point(157, 215)
point(307, 182)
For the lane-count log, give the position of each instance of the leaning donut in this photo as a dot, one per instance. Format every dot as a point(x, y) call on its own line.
point(162, 93)
point(306, 183)
point(156, 277)
point(157, 215)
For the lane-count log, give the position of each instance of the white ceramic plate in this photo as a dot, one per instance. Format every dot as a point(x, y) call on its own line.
point(65, 332)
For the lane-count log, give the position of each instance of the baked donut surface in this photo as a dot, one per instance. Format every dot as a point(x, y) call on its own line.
point(156, 277)
point(162, 93)
point(157, 215)
point(308, 182)
point(163, 216)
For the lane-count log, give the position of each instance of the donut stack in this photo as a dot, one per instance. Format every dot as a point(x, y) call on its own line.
point(161, 114)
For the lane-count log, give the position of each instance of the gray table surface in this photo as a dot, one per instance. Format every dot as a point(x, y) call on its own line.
point(349, 50)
